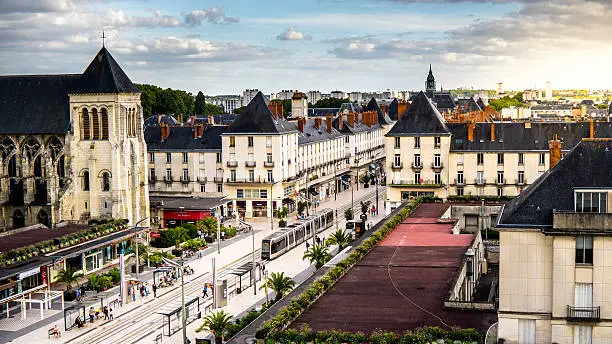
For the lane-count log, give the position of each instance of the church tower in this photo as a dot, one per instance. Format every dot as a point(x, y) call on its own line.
point(430, 84)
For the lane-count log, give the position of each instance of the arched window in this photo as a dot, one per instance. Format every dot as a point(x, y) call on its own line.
point(104, 118)
point(85, 127)
point(85, 177)
point(133, 122)
point(128, 123)
point(38, 170)
point(105, 181)
point(12, 166)
point(95, 132)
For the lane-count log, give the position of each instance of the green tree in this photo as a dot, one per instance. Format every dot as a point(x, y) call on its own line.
point(199, 104)
point(340, 238)
point(279, 283)
point(69, 275)
point(348, 214)
point(194, 244)
point(331, 102)
point(240, 110)
point(505, 102)
point(207, 226)
point(217, 323)
point(143, 252)
point(365, 205)
point(317, 254)
point(282, 214)
point(213, 110)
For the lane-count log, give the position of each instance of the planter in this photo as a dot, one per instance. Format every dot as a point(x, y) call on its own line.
point(176, 252)
point(366, 185)
point(70, 295)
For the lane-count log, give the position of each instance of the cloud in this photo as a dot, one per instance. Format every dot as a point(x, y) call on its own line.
point(291, 34)
point(36, 6)
point(211, 15)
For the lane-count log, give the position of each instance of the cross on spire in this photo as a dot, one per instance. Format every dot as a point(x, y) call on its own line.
point(103, 38)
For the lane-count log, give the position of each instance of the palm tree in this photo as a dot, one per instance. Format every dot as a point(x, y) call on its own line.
point(68, 275)
point(217, 323)
point(279, 283)
point(365, 205)
point(318, 254)
point(143, 252)
point(340, 238)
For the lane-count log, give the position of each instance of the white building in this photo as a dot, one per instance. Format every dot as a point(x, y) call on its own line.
point(285, 94)
point(338, 94)
point(355, 97)
point(248, 95)
point(231, 104)
point(313, 96)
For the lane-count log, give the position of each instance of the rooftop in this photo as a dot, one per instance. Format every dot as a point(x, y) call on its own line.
point(421, 117)
point(186, 203)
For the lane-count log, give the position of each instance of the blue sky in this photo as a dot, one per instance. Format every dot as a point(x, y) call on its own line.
point(224, 47)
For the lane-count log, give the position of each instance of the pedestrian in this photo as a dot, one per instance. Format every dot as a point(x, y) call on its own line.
point(205, 291)
point(110, 314)
point(92, 314)
point(142, 290)
point(105, 311)
point(133, 294)
point(318, 240)
point(323, 240)
point(223, 235)
point(78, 294)
point(307, 245)
point(154, 290)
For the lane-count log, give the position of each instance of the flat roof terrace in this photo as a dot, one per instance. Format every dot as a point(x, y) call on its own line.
point(402, 283)
point(24, 238)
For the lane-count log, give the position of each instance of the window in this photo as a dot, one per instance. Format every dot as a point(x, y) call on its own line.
point(437, 160)
point(151, 157)
point(152, 174)
point(233, 175)
point(85, 125)
point(105, 181)
point(437, 178)
point(250, 139)
point(542, 158)
point(584, 249)
point(397, 160)
point(104, 117)
point(417, 160)
point(460, 177)
point(185, 174)
point(86, 181)
point(437, 141)
point(500, 158)
point(270, 176)
point(220, 188)
point(251, 157)
point(417, 142)
point(480, 177)
point(168, 174)
point(500, 178)
point(202, 187)
point(459, 191)
point(583, 334)
point(268, 141)
point(527, 331)
point(397, 142)
point(95, 132)
point(417, 178)
point(269, 158)
point(218, 157)
point(459, 159)
point(185, 158)
point(202, 158)
point(591, 202)
point(239, 193)
point(232, 141)
point(346, 139)
point(500, 192)
point(583, 295)
point(168, 158)
point(263, 193)
point(521, 158)
point(521, 177)
point(251, 175)
point(480, 158)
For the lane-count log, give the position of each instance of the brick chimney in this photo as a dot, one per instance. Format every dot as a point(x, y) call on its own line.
point(554, 147)
point(301, 122)
point(340, 121)
point(384, 108)
point(276, 109)
point(592, 130)
point(198, 130)
point(329, 119)
point(492, 132)
point(317, 122)
point(470, 131)
point(401, 108)
point(351, 119)
point(165, 131)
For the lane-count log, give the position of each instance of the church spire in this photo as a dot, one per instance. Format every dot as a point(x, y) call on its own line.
point(430, 84)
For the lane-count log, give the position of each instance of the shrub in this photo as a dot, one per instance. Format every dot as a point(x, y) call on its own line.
point(114, 274)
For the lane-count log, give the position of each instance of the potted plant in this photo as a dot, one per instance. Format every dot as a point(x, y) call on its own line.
point(282, 214)
point(69, 275)
point(366, 180)
point(217, 323)
point(348, 214)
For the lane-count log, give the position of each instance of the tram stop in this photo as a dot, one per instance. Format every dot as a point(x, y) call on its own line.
point(171, 313)
point(240, 273)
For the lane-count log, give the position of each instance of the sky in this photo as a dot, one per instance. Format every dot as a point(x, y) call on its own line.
point(224, 47)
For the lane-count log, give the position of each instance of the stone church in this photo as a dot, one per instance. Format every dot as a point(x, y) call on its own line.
point(72, 147)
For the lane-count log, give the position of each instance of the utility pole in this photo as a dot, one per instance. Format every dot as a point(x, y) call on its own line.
point(136, 242)
point(214, 280)
point(218, 231)
point(376, 185)
point(182, 272)
point(335, 182)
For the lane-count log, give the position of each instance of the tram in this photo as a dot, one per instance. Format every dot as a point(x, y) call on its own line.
point(283, 240)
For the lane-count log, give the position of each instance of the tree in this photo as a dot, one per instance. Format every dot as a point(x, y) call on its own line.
point(143, 252)
point(340, 238)
point(365, 205)
point(199, 108)
point(279, 283)
point(282, 214)
point(240, 110)
point(68, 275)
point(217, 323)
point(317, 254)
point(348, 214)
point(194, 244)
point(505, 102)
point(301, 206)
point(213, 110)
point(207, 226)
point(330, 102)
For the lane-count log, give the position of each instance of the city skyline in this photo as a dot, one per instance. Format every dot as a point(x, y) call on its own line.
point(223, 48)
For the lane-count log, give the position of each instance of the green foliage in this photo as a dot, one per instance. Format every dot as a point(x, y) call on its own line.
point(155, 101)
point(99, 282)
point(212, 109)
point(507, 101)
point(240, 110)
point(68, 275)
point(208, 226)
point(143, 252)
point(171, 236)
point(194, 244)
point(155, 258)
point(317, 254)
point(340, 238)
point(286, 105)
point(199, 106)
point(192, 230)
point(301, 206)
point(218, 323)
point(365, 205)
point(331, 102)
point(348, 214)
point(115, 275)
point(279, 283)
point(602, 106)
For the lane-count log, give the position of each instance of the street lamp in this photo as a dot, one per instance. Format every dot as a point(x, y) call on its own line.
point(253, 269)
point(180, 266)
point(136, 241)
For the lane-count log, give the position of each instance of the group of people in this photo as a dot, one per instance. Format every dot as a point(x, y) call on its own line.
point(141, 287)
point(318, 241)
point(373, 211)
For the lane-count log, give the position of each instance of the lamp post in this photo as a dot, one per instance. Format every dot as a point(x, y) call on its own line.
point(184, 321)
point(266, 286)
point(136, 241)
point(253, 270)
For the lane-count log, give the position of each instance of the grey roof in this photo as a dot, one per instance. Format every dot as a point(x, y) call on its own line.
point(589, 164)
point(393, 109)
point(351, 107)
point(382, 118)
point(469, 105)
point(514, 136)
point(164, 119)
point(420, 118)
point(481, 103)
point(35, 104)
point(187, 203)
point(444, 100)
point(181, 138)
point(258, 119)
point(359, 127)
point(105, 76)
point(317, 112)
point(312, 134)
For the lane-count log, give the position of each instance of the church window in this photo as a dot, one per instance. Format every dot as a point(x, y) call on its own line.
point(85, 125)
point(129, 123)
point(95, 132)
point(85, 181)
point(104, 120)
point(105, 181)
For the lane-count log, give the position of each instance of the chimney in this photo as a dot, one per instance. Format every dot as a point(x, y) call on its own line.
point(470, 131)
point(351, 119)
point(165, 131)
point(211, 120)
point(198, 131)
point(301, 123)
point(401, 108)
point(492, 132)
point(317, 122)
point(276, 109)
point(191, 120)
point(592, 130)
point(340, 121)
point(329, 119)
point(384, 108)
point(554, 147)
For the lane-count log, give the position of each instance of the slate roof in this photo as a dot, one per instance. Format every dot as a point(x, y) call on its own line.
point(258, 119)
point(469, 105)
point(514, 136)
point(382, 118)
point(589, 164)
point(481, 103)
point(421, 117)
point(359, 127)
point(181, 138)
point(105, 76)
point(444, 100)
point(393, 109)
point(165, 119)
point(35, 104)
point(312, 134)
point(318, 112)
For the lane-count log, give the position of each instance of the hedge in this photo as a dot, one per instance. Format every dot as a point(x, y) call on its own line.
point(275, 327)
point(472, 198)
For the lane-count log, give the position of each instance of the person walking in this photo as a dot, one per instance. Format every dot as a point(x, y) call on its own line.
point(307, 245)
point(92, 314)
point(133, 294)
point(223, 235)
point(110, 314)
point(154, 290)
point(105, 311)
point(205, 291)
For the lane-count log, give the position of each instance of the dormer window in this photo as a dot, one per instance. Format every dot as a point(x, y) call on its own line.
point(591, 202)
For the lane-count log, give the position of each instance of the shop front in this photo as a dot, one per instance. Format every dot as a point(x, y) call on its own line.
point(175, 218)
point(260, 208)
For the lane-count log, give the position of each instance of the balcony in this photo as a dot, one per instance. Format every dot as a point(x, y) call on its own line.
point(232, 164)
point(501, 181)
point(572, 221)
point(218, 179)
point(202, 180)
point(411, 183)
point(250, 163)
point(459, 182)
point(479, 181)
point(582, 313)
point(259, 180)
point(185, 180)
point(417, 167)
point(438, 166)
point(397, 167)
point(168, 180)
point(269, 164)
point(521, 182)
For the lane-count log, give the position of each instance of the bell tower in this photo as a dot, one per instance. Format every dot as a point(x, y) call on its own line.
point(430, 84)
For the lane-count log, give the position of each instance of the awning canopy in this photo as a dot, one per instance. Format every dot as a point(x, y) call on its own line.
point(313, 191)
point(346, 177)
point(242, 269)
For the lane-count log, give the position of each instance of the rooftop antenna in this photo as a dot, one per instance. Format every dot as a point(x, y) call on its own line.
point(103, 38)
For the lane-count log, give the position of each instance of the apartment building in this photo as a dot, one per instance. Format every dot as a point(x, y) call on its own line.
point(338, 94)
point(248, 95)
point(555, 253)
point(313, 96)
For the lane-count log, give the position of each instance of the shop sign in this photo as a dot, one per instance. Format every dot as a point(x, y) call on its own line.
point(29, 273)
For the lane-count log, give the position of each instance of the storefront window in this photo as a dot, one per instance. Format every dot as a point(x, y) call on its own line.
point(94, 261)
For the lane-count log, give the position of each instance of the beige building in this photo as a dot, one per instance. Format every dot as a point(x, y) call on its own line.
point(555, 253)
point(72, 147)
